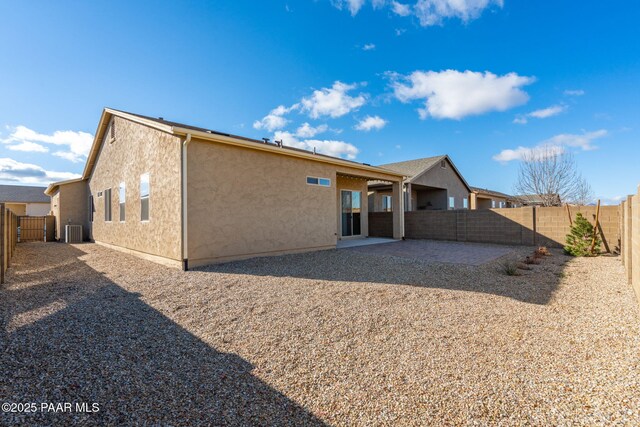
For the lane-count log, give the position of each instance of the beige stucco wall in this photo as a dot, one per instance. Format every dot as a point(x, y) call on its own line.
point(19, 209)
point(70, 206)
point(244, 202)
point(445, 178)
point(38, 209)
point(136, 150)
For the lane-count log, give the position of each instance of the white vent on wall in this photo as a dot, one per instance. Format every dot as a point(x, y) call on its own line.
point(73, 234)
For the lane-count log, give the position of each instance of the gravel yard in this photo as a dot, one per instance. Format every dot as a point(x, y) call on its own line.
point(339, 337)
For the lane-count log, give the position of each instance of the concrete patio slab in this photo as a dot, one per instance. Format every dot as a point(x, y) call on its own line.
point(352, 243)
point(439, 251)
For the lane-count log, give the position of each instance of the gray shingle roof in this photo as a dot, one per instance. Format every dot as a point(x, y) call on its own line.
point(23, 194)
point(415, 167)
point(491, 192)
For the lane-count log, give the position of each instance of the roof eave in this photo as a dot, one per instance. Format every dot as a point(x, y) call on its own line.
point(254, 145)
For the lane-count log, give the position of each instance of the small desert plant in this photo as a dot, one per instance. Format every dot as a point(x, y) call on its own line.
point(510, 268)
point(523, 266)
point(580, 238)
point(542, 251)
point(532, 260)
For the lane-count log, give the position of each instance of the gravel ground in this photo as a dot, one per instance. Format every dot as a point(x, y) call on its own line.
point(332, 337)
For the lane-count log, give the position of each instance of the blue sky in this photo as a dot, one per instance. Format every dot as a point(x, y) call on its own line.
point(378, 81)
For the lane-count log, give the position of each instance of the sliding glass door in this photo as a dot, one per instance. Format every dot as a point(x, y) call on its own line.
point(351, 210)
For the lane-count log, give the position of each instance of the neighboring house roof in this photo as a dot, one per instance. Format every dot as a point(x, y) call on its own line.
point(183, 130)
point(488, 192)
point(23, 194)
point(533, 199)
point(414, 168)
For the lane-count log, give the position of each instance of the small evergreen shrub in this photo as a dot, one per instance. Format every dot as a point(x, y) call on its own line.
point(580, 237)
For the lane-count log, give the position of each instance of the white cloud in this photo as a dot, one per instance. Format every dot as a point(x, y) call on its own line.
point(333, 102)
point(433, 12)
point(307, 131)
point(428, 12)
point(400, 31)
point(369, 46)
point(328, 147)
point(400, 8)
point(354, 6)
point(556, 144)
point(26, 173)
point(30, 147)
point(574, 92)
point(275, 119)
point(543, 113)
point(452, 94)
point(77, 144)
point(371, 122)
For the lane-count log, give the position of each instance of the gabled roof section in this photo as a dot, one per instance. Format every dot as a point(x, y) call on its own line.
point(414, 168)
point(54, 185)
point(180, 129)
point(23, 194)
point(479, 190)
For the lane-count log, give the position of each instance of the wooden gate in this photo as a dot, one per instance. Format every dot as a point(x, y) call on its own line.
point(36, 228)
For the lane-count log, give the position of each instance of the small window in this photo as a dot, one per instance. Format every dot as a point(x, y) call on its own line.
point(144, 197)
point(493, 204)
point(121, 200)
point(452, 202)
point(443, 164)
point(323, 182)
point(465, 203)
point(386, 204)
point(107, 204)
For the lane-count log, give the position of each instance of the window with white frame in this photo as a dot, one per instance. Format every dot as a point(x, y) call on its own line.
point(387, 204)
point(144, 197)
point(493, 204)
point(322, 182)
point(107, 204)
point(465, 203)
point(121, 199)
point(452, 202)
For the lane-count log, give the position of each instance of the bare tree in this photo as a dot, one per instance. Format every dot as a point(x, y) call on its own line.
point(584, 193)
point(551, 174)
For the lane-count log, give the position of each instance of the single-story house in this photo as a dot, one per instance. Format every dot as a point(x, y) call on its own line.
point(432, 183)
point(482, 198)
point(70, 205)
point(188, 196)
point(25, 200)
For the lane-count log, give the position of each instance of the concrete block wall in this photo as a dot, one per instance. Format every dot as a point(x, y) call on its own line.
point(552, 225)
point(380, 224)
point(512, 226)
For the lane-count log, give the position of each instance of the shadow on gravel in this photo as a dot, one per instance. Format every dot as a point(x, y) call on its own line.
point(64, 341)
point(360, 265)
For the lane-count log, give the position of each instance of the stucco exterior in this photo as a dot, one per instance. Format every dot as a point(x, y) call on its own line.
point(69, 204)
point(429, 189)
point(214, 197)
point(440, 179)
point(244, 203)
point(19, 209)
point(136, 150)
